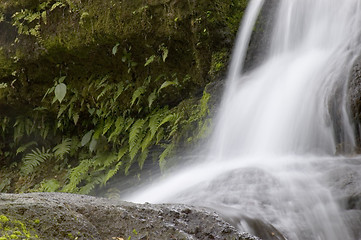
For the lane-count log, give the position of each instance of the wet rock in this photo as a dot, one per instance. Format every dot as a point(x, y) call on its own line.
point(68, 216)
point(354, 95)
point(344, 178)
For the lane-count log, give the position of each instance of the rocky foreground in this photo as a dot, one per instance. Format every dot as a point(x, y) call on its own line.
point(69, 216)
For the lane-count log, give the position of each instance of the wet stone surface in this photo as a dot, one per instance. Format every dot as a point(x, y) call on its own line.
point(68, 216)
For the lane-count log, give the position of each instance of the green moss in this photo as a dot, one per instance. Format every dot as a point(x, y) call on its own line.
point(36, 221)
point(15, 229)
point(219, 60)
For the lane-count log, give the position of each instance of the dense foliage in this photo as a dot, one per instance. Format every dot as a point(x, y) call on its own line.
point(89, 89)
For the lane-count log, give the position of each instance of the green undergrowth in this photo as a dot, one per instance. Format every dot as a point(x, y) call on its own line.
point(92, 89)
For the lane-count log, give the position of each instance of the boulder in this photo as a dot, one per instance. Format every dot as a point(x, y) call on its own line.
point(69, 216)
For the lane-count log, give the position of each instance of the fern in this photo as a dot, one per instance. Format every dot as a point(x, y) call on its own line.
point(120, 90)
point(137, 93)
point(22, 148)
point(105, 90)
point(168, 118)
point(63, 148)
point(134, 137)
point(34, 159)
point(122, 152)
point(166, 153)
point(119, 126)
point(151, 98)
point(111, 173)
point(147, 140)
point(77, 175)
point(142, 158)
point(104, 160)
point(108, 124)
point(155, 122)
point(91, 185)
point(49, 186)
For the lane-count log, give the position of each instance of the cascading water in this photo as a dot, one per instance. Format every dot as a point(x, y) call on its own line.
point(275, 126)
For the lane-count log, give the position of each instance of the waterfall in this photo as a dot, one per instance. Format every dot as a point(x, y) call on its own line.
point(277, 124)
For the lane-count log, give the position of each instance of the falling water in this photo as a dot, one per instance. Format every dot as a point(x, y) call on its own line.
point(276, 123)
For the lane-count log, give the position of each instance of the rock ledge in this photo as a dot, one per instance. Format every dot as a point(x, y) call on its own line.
point(69, 216)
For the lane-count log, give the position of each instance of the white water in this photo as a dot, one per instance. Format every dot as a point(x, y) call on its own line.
point(274, 124)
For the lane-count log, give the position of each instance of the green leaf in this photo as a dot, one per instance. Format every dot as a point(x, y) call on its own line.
point(43, 16)
point(149, 60)
point(86, 138)
point(55, 5)
point(93, 145)
point(76, 118)
point(62, 79)
point(167, 84)
point(115, 49)
point(60, 91)
point(164, 50)
point(151, 98)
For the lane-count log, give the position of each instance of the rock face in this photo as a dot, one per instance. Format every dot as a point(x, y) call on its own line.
point(354, 92)
point(68, 216)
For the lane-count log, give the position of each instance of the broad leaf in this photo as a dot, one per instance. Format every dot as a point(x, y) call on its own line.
point(60, 92)
point(115, 49)
point(86, 138)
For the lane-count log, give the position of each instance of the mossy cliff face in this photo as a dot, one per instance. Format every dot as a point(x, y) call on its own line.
point(97, 87)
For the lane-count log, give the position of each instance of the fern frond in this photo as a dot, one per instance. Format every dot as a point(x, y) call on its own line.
point(49, 185)
point(147, 140)
point(122, 152)
point(142, 158)
point(111, 173)
point(128, 165)
point(166, 153)
point(169, 118)
point(120, 90)
point(104, 160)
point(137, 93)
point(63, 148)
point(119, 126)
point(134, 137)
point(105, 90)
point(22, 148)
point(34, 159)
point(155, 122)
point(108, 124)
point(77, 175)
point(91, 185)
point(151, 98)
